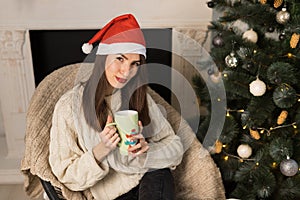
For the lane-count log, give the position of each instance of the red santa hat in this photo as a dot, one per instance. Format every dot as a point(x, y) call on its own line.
point(120, 35)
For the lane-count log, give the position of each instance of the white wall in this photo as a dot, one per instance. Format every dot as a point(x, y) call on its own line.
point(2, 132)
point(49, 14)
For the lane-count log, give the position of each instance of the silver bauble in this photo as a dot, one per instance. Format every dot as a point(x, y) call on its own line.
point(243, 52)
point(289, 167)
point(283, 16)
point(218, 41)
point(231, 60)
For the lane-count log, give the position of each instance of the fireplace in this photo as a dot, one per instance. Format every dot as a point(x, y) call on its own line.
point(24, 63)
point(52, 49)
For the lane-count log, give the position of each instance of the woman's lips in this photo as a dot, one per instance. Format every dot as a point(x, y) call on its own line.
point(121, 80)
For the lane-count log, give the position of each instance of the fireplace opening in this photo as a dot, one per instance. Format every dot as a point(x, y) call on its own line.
point(52, 49)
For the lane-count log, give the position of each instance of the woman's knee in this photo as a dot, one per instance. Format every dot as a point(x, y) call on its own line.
point(157, 184)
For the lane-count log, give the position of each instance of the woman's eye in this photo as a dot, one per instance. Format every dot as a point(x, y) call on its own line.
point(136, 64)
point(120, 59)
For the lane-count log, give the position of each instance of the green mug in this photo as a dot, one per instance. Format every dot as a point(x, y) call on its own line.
point(126, 122)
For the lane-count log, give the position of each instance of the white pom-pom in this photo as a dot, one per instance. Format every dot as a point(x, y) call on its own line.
point(87, 48)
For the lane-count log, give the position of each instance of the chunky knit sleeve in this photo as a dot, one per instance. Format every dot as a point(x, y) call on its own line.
point(166, 148)
point(71, 163)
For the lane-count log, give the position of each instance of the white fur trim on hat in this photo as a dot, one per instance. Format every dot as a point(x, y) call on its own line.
point(122, 47)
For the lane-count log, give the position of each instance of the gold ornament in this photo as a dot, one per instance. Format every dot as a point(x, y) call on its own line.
point(277, 3)
point(254, 134)
point(250, 36)
point(218, 146)
point(283, 16)
point(263, 1)
point(282, 117)
point(294, 40)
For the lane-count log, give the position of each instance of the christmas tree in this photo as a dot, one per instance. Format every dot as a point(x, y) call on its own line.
point(256, 51)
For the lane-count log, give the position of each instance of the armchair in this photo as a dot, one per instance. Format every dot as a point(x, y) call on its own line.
point(197, 177)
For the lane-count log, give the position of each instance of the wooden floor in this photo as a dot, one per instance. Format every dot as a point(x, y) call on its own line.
point(10, 189)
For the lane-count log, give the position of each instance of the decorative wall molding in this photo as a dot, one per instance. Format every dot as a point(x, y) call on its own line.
point(16, 88)
point(189, 43)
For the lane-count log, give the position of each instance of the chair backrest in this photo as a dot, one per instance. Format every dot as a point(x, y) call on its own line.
point(35, 163)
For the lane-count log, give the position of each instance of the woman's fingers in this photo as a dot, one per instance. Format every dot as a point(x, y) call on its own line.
point(137, 137)
point(109, 119)
point(109, 135)
point(115, 140)
point(139, 148)
point(107, 132)
point(140, 127)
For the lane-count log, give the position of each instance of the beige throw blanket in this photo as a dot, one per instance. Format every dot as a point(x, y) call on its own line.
point(197, 177)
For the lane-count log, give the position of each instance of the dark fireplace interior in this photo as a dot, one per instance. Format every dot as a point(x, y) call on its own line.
point(52, 49)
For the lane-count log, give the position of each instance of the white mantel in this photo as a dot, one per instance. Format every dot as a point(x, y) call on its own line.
point(16, 70)
point(66, 14)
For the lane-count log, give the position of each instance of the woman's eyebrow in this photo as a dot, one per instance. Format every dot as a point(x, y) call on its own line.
point(124, 56)
point(127, 58)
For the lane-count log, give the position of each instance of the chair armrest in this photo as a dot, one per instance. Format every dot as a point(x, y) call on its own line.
point(50, 190)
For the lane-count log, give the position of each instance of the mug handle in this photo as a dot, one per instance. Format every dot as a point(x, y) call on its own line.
point(111, 124)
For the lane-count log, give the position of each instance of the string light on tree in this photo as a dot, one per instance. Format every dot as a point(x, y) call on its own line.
point(257, 87)
point(290, 55)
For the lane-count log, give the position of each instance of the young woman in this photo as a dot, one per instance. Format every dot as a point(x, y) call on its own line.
point(84, 152)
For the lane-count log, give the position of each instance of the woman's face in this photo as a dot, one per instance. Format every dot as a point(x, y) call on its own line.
point(120, 68)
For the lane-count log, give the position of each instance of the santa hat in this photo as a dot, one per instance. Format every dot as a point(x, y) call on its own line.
point(120, 35)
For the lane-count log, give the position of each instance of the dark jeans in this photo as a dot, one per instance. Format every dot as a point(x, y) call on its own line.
point(155, 185)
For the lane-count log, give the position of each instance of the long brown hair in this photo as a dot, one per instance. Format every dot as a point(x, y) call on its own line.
point(133, 95)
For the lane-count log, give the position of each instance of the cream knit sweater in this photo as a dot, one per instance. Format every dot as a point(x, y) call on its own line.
point(72, 141)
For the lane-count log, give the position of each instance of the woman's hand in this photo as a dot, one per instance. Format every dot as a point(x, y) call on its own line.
point(109, 141)
point(109, 136)
point(141, 146)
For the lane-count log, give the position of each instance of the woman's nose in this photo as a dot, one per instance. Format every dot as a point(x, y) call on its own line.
point(125, 69)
